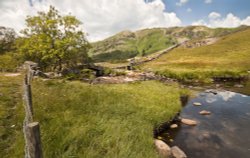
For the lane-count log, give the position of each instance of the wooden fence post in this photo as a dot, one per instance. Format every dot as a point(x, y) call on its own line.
point(33, 147)
point(34, 141)
point(28, 100)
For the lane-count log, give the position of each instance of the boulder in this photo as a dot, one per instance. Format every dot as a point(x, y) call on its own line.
point(197, 104)
point(238, 86)
point(205, 112)
point(173, 126)
point(177, 152)
point(211, 91)
point(189, 122)
point(162, 148)
point(40, 74)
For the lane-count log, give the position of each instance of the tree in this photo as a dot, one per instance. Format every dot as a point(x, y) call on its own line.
point(7, 38)
point(53, 40)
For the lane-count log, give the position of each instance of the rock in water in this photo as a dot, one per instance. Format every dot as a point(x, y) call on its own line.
point(189, 122)
point(238, 86)
point(205, 112)
point(174, 126)
point(177, 152)
point(197, 104)
point(162, 148)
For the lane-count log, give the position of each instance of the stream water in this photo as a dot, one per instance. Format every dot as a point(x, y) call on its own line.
point(225, 133)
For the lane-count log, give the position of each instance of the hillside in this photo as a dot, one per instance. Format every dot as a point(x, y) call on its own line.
point(229, 56)
point(127, 44)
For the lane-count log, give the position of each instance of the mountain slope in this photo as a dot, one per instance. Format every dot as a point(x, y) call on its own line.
point(127, 44)
point(229, 56)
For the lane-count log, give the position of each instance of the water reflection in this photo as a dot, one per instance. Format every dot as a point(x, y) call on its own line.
point(226, 95)
point(224, 133)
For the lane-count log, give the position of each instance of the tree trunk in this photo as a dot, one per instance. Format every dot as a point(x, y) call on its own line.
point(60, 64)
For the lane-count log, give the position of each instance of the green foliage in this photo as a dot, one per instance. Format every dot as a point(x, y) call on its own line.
point(114, 56)
point(8, 63)
point(117, 120)
point(53, 40)
point(7, 40)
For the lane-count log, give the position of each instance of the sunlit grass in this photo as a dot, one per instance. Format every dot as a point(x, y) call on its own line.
point(11, 117)
point(82, 120)
point(229, 56)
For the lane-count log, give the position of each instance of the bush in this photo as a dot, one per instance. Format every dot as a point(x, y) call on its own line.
point(8, 63)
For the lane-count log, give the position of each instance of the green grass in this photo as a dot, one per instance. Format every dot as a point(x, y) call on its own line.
point(153, 42)
point(227, 57)
point(82, 120)
point(11, 113)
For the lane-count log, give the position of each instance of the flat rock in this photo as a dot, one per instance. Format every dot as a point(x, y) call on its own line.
point(211, 91)
point(162, 148)
point(177, 152)
point(205, 112)
point(238, 86)
point(12, 74)
point(197, 104)
point(174, 126)
point(189, 122)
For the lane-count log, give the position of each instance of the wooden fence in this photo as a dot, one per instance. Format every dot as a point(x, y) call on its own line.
point(33, 147)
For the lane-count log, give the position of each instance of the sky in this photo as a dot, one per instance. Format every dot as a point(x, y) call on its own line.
point(104, 18)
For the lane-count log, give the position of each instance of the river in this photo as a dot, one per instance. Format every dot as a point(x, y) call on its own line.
point(225, 133)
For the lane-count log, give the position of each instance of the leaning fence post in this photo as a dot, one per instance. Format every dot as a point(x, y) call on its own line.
point(34, 141)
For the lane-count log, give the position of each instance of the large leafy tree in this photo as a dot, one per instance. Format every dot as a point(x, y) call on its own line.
point(7, 38)
point(53, 40)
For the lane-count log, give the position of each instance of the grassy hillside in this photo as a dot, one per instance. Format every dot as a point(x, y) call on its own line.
point(129, 44)
point(11, 117)
point(82, 120)
point(227, 57)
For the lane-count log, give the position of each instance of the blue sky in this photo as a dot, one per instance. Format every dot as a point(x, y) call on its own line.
point(103, 18)
point(201, 10)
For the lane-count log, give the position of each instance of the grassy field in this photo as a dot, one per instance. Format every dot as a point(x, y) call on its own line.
point(82, 120)
point(230, 56)
point(11, 117)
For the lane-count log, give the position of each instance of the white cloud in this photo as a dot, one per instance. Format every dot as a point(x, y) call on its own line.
point(214, 15)
point(189, 10)
point(215, 20)
point(101, 18)
point(181, 2)
point(208, 1)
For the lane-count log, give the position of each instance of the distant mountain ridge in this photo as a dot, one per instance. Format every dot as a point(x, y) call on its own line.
point(127, 44)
